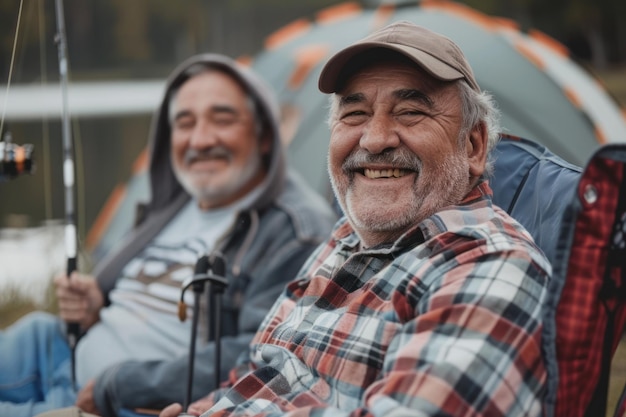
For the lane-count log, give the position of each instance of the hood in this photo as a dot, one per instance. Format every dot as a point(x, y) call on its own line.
point(164, 186)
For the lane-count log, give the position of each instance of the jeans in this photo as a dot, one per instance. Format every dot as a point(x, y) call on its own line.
point(35, 366)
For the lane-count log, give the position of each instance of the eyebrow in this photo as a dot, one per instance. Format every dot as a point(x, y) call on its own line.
point(411, 94)
point(223, 108)
point(408, 94)
point(219, 108)
point(351, 99)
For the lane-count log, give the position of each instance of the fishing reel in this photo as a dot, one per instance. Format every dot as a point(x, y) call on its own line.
point(15, 159)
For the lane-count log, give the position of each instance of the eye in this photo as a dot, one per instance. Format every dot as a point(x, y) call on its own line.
point(354, 117)
point(184, 123)
point(408, 116)
point(353, 113)
point(224, 119)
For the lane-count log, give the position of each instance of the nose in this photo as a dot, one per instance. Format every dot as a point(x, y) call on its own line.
point(379, 134)
point(203, 136)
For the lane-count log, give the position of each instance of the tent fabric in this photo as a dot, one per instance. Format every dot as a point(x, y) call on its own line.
point(541, 92)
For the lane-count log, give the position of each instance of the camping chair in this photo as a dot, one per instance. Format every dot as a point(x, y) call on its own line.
point(578, 218)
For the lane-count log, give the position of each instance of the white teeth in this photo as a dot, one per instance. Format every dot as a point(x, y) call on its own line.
point(384, 173)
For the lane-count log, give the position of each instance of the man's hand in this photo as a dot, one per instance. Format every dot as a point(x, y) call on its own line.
point(172, 410)
point(85, 401)
point(198, 407)
point(79, 298)
point(195, 409)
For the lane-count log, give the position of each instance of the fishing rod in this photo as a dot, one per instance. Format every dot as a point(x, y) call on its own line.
point(16, 160)
point(69, 171)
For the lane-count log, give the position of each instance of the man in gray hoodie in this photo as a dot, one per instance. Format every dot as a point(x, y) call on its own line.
point(219, 184)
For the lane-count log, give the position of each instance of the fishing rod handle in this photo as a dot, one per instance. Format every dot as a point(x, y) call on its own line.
point(73, 329)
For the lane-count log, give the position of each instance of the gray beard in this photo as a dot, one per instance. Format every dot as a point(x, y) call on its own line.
point(210, 193)
point(439, 188)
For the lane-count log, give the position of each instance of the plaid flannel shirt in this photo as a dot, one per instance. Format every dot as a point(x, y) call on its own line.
point(445, 321)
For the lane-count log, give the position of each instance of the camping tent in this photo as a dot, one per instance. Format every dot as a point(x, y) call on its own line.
point(542, 93)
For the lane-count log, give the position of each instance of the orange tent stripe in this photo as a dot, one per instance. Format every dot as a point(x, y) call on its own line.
point(141, 162)
point(306, 59)
point(105, 216)
point(505, 22)
point(600, 136)
point(245, 60)
point(382, 15)
point(113, 202)
point(287, 33)
point(340, 11)
point(549, 42)
point(531, 56)
point(573, 97)
point(481, 19)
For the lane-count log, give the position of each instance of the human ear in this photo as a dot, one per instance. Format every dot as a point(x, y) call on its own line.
point(477, 149)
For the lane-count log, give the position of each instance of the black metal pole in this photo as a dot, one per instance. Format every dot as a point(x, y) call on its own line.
point(198, 289)
point(218, 267)
point(217, 303)
point(209, 271)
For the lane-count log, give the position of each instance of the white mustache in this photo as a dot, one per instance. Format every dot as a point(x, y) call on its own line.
point(396, 158)
point(215, 152)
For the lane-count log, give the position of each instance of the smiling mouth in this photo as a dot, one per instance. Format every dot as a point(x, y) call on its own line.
point(201, 159)
point(385, 173)
point(216, 153)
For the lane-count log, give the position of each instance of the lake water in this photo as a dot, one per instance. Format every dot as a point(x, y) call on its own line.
point(29, 258)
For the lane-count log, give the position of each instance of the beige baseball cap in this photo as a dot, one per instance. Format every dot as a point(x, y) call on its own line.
point(435, 53)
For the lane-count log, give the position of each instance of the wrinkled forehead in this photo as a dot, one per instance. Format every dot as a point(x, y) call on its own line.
point(391, 82)
point(396, 80)
point(221, 78)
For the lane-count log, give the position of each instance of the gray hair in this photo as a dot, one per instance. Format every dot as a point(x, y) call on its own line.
point(201, 68)
point(476, 107)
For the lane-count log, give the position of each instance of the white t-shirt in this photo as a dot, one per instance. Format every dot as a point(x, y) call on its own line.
point(142, 320)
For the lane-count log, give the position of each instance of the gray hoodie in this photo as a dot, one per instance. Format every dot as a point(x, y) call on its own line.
point(264, 250)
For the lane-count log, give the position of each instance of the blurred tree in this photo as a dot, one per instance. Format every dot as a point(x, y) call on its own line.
point(586, 17)
point(130, 30)
point(592, 29)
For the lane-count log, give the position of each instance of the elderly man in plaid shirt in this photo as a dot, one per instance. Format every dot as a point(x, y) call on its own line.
point(426, 299)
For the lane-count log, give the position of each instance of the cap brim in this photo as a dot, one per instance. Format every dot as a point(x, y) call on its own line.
point(335, 72)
